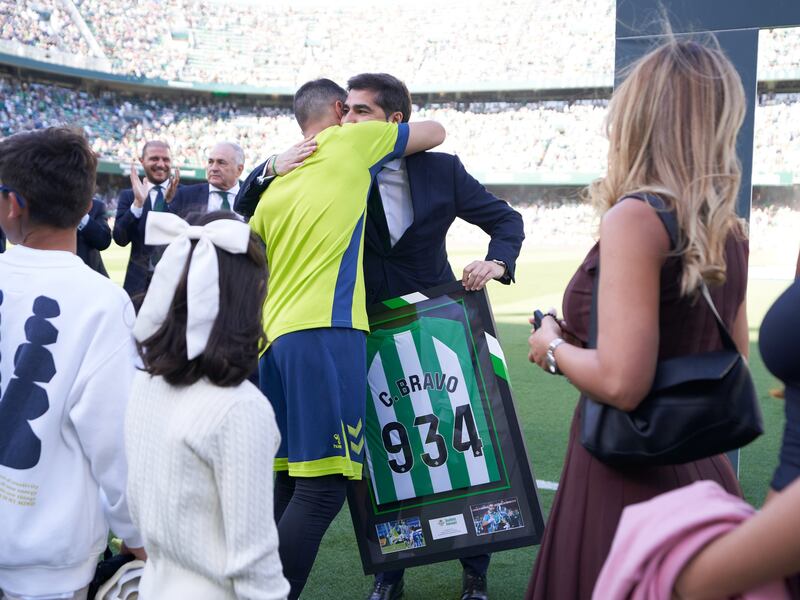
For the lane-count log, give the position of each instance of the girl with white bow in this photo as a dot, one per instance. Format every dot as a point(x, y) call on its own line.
point(200, 438)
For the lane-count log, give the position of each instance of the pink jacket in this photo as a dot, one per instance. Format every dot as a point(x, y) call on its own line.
point(655, 539)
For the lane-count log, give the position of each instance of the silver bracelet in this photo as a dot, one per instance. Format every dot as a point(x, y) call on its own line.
point(550, 357)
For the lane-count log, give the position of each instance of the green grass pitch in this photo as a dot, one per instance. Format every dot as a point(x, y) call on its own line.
point(544, 407)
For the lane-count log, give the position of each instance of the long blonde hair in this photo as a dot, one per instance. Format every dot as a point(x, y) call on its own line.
point(672, 127)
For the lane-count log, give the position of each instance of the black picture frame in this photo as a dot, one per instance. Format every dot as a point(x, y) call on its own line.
point(512, 501)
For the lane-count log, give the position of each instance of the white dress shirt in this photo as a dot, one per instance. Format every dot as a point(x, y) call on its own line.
point(396, 196)
point(215, 200)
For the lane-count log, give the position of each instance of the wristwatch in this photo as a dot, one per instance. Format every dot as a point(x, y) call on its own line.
point(501, 263)
point(550, 357)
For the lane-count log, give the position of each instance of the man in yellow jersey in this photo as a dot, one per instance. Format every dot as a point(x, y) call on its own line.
point(314, 369)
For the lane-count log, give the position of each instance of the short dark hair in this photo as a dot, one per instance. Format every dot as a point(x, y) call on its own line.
point(54, 170)
point(391, 94)
point(149, 144)
point(314, 97)
point(237, 336)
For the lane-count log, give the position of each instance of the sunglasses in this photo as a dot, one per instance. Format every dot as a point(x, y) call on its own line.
point(9, 190)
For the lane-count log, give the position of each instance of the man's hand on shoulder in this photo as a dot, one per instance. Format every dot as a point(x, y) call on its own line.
point(292, 158)
point(479, 272)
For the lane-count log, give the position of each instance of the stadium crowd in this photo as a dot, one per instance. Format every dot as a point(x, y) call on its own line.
point(546, 136)
point(283, 43)
point(777, 139)
point(42, 24)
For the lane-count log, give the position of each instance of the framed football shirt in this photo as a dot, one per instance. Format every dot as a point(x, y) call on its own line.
point(447, 472)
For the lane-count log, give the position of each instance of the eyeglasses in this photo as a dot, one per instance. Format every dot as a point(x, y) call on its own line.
point(9, 190)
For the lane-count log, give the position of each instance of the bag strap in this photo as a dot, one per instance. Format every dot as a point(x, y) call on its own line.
point(727, 339)
point(670, 222)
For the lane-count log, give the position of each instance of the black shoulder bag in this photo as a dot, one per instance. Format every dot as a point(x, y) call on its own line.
point(700, 405)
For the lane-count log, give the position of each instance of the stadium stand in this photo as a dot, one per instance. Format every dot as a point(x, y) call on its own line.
point(45, 25)
point(285, 43)
point(547, 136)
point(777, 140)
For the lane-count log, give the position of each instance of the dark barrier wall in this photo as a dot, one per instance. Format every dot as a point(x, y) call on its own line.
point(735, 23)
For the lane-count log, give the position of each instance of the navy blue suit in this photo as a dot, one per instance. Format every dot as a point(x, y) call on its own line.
point(94, 237)
point(130, 230)
point(193, 199)
point(2, 241)
point(441, 190)
point(190, 199)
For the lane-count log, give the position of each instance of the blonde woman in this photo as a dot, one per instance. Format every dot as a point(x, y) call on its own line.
point(672, 129)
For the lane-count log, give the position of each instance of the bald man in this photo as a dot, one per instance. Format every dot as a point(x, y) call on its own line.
point(223, 168)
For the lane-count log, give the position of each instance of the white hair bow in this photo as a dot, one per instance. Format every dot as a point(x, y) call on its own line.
point(202, 289)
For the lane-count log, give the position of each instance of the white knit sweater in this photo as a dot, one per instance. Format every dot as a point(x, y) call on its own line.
point(200, 488)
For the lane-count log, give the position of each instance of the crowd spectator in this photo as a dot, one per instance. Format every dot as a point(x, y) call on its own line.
point(777, 140)
point(153, 193)
point(509, 137)
point(223, 169)
point(45, 25)
point(136, 36)
point(283, 43)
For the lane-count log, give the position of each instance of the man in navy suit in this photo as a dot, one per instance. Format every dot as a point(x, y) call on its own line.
point(154, 192)
point(94, 235)
point(224, 166)
point(412, 204)
point(420, 196)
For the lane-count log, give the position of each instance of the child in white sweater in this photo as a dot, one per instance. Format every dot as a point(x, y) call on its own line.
point(200, 437)
point(66, 365)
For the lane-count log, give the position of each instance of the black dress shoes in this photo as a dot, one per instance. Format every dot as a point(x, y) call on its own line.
point(473, 587)
point(386, 591)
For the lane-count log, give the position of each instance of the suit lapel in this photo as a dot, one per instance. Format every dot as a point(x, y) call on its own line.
point(371, 235)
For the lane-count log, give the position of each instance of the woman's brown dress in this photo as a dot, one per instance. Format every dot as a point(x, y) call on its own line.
point(591, 495)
